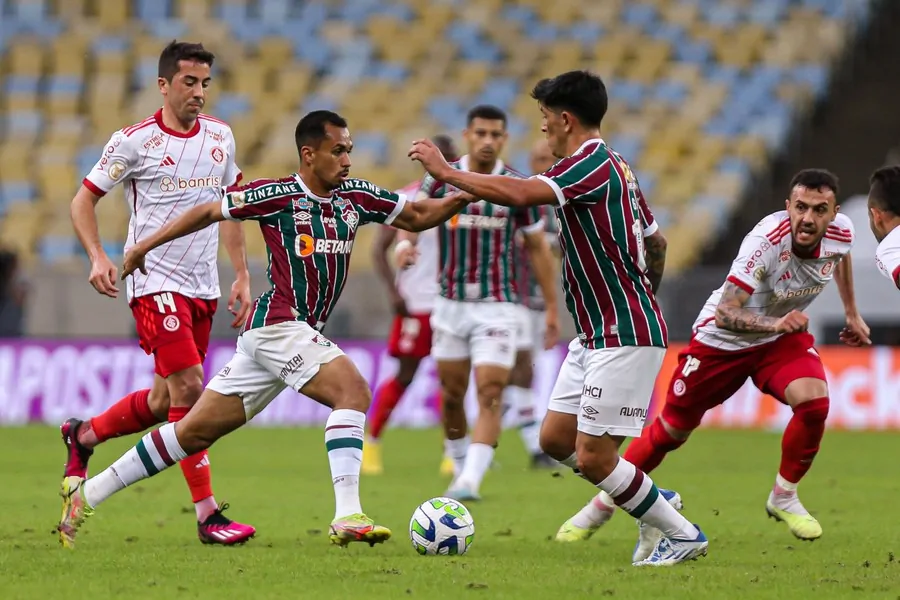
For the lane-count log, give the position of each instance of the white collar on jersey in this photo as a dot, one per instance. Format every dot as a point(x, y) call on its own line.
point(307, 191)
point(590, 141)
point(464, 165)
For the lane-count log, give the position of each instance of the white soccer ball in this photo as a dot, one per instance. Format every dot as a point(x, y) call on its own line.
point(441, 526)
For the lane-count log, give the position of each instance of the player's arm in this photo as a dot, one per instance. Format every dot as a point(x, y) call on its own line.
point(541, 258)
point(430, 212)
point(655, 246)
point(383, 241)
point(232, 234)
point(732, 316)
point(856, 332)
point(199, 217)
point(84, 220)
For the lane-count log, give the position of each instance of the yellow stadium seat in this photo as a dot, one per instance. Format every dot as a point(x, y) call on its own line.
point(193, 10)
point(71, 10)
point(19, 228)
point(25, 56)
point(112, 16)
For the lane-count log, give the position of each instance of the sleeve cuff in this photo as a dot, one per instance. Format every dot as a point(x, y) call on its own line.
point(651, 229)
point(398, 208)
point(225, 210)
point(741, 284)
point(895, 276)
point(560, 197)
point(93, 187)
point(535, 227)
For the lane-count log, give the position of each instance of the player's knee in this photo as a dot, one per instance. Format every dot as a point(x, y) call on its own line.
point(490, 396)
point(814, 412)
point(596, 463)
point(678, 423)
point(185, 390)
point(556, 446)
point(407, 372)
point(193, 435)
point(354, 395)
point(159, 405)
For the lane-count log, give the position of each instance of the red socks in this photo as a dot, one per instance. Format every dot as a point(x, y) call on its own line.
point(386, 398)
point(129, 415)
point(195, 467)
point(801, 439)
point(647, 451)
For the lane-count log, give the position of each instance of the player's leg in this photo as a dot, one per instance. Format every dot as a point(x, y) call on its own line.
point(219, 411)
point(493, 349)
point(793, 373)
point(451, 327)
point(702, 379)
point(409, 343)
point(519, 397)
point(618, 384)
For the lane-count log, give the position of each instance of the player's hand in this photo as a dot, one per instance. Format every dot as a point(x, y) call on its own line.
point(856, 333)
point(134, 261)
point(240, 295)
point(399, 304)
point(103, 276)
point(551, 334)
point(405, 255)
point(466, 197)
point(426, 152)
point(792, 322)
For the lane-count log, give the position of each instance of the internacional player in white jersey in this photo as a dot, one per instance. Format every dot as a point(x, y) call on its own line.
point(168, 163)
point(610, 278)
point(884, 219)
point(754, 327)
point(411, 292)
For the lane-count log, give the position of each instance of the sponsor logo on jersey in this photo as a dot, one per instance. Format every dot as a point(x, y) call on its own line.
point(801, 293)
point(217, 155)
point(477, 222)
point(363, 185)
point(155, 141)
point(633, 411)
point(756, 257)
point(307, 244)
point(592, 391)
point(167, 161)
point(273, 190)
point(784, 256)
point(170, 184)
point(216, 136)
point(238, 199)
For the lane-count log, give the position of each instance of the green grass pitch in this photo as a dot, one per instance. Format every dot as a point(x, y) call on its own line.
point(142, 543)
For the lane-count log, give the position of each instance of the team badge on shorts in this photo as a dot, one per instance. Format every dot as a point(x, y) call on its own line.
point(679, 388)
point(318, 339)
point(171, 323)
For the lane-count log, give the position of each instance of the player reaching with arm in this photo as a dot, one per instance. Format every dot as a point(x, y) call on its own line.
point(604, 387)
point(754, 326)
point(412, 293)
point(168, 163)
point(475, 316)
point(309, 222)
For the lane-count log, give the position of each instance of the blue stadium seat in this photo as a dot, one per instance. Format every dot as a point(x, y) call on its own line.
point(14, 192)
point(23, 122)
point(319, 102)
point(21, 84)
point(54, 248)
point(464, 33)
point(64, 85)
point(374, 144)
point(314, 51)
point(446, 110)
point(693, 51)
point(230, 105)
point(767, 12)
point(585, 32)
point(166, 28)
point(815, 76)
point(669, 32)
point(630, 92)
point(313, 13)
point(480, 51)
point(499, 92)
point(670, 92)
point(518, 14)
point(724, 15)
point(112, 44)
point(630, 147)
point(389, 71)
point(542, 33)
point(27, 11)
point(153, 10)
point(639, 15)
point(87, 158)
point(273, 11)
point(231, 12)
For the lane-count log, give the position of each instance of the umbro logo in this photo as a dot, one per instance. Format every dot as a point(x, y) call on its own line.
point(167, 161)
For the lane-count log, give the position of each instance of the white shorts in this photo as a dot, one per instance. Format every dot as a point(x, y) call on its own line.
point(530, 333)
point(484, 332)
point(271, 358)
point(608, 388)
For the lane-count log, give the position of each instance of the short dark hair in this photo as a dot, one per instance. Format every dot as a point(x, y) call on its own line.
point(885, 188)
point(178, 51)
point(487, 112)
point(310, 130)
point(445, 144)
point(581, 93)
point(816, 179)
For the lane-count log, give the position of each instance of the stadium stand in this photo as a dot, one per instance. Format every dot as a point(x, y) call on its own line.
point(703, 92)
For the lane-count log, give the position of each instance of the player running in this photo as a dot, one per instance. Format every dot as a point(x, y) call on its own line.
point(168, 163)
point(519, 394)
point(411, 293)
point(753, 326)
point(475, 316)
point(604, 387)
point(309, 221)
point(884, 218)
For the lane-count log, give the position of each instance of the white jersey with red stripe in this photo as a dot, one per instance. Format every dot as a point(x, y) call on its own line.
point(777, 279)
point(166, 173)
point(418, 284)
point(887, 256)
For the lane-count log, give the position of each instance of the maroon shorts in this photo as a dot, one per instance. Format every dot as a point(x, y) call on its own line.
point(174, 328)
point(706, 377)
point(410, 337)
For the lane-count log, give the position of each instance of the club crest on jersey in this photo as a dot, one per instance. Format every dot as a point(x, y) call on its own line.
point(217, 154)
point(350, 217)
point(784, 256)
point(827, 268)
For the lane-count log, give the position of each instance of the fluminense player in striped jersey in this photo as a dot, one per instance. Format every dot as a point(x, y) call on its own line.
point(309, 222)
point(475, 316)
point(612, 263)
point(754, 327)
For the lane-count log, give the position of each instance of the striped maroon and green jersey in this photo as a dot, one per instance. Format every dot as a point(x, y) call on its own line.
point(476, 257)
point(603, 219)
point(530, 294)
point(308, 241)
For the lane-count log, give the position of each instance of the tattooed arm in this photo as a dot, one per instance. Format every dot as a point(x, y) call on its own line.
point(731, 315)
point(655, 257)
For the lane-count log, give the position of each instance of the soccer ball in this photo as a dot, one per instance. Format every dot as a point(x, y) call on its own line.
point(441, 526)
